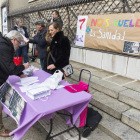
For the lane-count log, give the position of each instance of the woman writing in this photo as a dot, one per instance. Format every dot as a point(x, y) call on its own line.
point(59, 51)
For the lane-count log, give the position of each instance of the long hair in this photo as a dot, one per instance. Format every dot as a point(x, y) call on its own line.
point(56, 26)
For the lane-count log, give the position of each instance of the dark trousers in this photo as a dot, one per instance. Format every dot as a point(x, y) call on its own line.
point(42, 63)
point(23, 51)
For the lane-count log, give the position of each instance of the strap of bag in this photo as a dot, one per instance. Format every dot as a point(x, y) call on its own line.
point(52, 57)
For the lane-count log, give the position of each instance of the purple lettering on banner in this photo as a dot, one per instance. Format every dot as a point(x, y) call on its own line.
point(130, 25)
point(77, 38)
point(80, 39)
point(125, 23)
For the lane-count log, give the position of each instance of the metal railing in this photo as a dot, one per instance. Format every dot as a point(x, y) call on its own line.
point(69, 11)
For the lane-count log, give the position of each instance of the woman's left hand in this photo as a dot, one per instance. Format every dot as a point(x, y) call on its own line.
point(50, 67)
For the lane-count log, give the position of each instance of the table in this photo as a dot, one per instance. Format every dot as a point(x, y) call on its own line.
point(59, 99)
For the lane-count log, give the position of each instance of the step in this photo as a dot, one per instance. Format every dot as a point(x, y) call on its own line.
point(134, 86)
point(98, 134)
point(60, 125)
point(116, 129)
point(99, 84)
point(132, 118)
point(130, 97)
point(108, 104)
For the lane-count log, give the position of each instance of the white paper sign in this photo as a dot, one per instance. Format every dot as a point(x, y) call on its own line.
point(81, 30)
point(4, 20)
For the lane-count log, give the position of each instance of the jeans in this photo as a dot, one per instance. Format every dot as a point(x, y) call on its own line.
point(23, 51)
point(42, 63)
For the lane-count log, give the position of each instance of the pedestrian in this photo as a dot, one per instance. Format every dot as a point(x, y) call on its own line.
point(57, 18)
point(8, 46)
point(23, 47)
point(40, 40)
point(58, 53)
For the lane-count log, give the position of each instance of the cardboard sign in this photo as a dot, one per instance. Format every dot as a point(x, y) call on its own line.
point(109, 32)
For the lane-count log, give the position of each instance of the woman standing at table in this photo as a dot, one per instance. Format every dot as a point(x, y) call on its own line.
point(59, 51)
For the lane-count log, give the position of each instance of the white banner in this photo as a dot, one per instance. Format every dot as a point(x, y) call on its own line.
point(81, 30)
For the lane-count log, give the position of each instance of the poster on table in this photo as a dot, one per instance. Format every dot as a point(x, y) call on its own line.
point(113, 32)
point(4, 21)
point(12, 100)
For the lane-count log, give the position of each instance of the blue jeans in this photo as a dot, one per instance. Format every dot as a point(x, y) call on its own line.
point(23, 51)
point(42, 63)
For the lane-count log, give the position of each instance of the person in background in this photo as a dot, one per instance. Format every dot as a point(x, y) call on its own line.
point(8, 46)
point(23, 47)
point(57, 18)
point(59, 51)
point(40, 40)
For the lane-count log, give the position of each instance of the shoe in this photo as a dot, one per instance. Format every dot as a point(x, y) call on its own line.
point(5, 133)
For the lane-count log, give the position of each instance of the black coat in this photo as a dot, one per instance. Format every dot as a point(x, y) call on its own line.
point(24, 28)
point(7, 66)
point(59, 21)
point(40, 39)
point(60, 50)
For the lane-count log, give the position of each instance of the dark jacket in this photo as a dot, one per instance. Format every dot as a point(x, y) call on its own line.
point(7, 66)
point(40, 39)
point(60, 50)
point(59, 20)
point(24, 28)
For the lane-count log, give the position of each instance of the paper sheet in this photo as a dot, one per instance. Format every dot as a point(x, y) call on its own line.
point(24, 38)
point(26, 84)
point(28, 79)
point(60, 86)
point(25, 88)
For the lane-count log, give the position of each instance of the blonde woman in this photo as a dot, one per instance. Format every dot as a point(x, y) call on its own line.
point(59, 51)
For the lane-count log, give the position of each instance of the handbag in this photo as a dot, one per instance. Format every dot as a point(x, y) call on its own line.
point(18, 60)
point(68, 69)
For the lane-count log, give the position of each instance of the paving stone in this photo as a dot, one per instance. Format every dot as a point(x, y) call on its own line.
point(36, 132)
point(60, 126)
point(37, 60)
point(116, 129)
point(132, 118)
point(108, 104)
point(80, 66)
point(106, 87)
point(103, 74)
point(135, 86)
point(98, 134)
point(120, 79)
point(35, 64)
point(130, 97)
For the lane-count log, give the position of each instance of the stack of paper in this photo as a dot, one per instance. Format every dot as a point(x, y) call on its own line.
point(27, 81)
point(38, 92)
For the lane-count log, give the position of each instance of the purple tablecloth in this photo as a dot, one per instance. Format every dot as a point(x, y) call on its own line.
point(59, 99)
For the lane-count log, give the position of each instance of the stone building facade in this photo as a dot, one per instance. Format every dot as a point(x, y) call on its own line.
point(31, 10)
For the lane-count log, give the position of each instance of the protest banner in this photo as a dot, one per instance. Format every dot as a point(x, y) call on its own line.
point(111, 32)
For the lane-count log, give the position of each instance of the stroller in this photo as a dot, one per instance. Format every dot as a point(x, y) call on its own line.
point(81, 121)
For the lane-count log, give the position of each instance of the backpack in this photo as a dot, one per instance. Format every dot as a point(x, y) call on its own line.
point(93, 118)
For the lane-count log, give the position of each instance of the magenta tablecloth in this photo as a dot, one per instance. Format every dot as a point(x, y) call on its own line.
point(59, 99)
